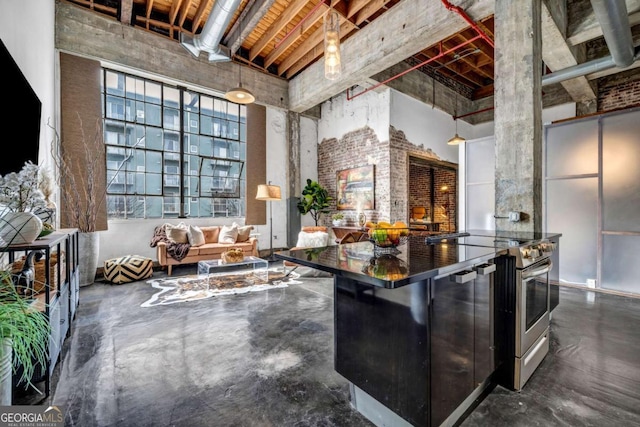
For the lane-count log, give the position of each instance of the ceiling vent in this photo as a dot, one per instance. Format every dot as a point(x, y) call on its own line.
point(209, 39)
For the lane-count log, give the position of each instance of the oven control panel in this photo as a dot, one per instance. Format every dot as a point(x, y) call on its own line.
point(534, 251)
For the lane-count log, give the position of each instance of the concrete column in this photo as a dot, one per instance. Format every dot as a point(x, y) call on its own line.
point(518, 114)
point(293, 177)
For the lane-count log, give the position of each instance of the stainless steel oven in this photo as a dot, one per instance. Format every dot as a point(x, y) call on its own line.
point(523, 310)
point(532, 315)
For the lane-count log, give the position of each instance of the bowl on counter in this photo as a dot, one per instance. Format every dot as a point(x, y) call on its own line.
point(388, 237)
point(386, 267)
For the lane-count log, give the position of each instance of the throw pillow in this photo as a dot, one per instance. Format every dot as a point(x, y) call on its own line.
point(317, 239)
point(177, 233)
point(195, 235)
point(244, 232)
point(228, 234)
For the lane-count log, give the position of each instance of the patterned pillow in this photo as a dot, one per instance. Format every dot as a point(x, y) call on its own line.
point(228, 234)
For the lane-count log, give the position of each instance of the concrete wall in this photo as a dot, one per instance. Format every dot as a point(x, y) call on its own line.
point(277, 174)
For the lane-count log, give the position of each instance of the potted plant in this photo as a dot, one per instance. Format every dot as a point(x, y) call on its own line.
point(337, 219)
point(315, 200)
point(81, 180)
point(21, 198)
point(24, 336)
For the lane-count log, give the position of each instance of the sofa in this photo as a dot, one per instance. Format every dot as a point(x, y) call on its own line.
point(181, 244)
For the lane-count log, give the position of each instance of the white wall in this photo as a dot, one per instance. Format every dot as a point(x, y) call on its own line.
point(340, 116)
point(427, 126)
point(551, 114)
point(277, 161)
point(27, 28)
point(308, 159)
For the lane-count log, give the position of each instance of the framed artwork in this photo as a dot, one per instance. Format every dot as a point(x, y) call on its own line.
point(355, 188)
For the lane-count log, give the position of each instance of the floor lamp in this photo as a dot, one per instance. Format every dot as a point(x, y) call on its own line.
point(269, 193)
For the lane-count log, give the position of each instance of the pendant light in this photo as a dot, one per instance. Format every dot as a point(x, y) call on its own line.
point(332, 62)
point(456, 140)
point(240, 95)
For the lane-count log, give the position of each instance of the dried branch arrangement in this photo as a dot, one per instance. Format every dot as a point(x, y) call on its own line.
point(79, 179)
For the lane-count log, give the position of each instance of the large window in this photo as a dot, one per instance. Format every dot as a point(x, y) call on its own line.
point(171, 152)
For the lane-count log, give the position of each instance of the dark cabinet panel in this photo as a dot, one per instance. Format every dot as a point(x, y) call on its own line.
point(484, 357)
point(382, 344)
point(452, 345)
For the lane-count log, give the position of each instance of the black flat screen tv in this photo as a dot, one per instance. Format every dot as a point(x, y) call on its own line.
point(20, 117)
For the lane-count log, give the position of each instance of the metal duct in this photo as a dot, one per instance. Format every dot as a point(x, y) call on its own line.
point(209, 39)
point(614, 20)
point(584, 69)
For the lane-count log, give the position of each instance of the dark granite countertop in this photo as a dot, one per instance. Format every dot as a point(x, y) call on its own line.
point(412, 262)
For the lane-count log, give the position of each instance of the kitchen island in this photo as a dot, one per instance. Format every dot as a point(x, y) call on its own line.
point(413, 329)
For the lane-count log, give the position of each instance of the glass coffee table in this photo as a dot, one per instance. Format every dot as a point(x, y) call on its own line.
point(255, 267)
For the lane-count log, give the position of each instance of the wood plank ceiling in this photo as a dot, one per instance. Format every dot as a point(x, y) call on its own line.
point(283, 37)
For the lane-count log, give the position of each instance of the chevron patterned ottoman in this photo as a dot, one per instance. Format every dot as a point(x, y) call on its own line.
point(127, 269)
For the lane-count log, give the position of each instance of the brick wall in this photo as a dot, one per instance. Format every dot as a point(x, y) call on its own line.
point(622, 95)
point(426, 183)
point(408, 183)
point(360, 147)
point(392, 174)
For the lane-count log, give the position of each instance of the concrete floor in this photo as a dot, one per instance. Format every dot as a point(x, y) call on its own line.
point(266, 359)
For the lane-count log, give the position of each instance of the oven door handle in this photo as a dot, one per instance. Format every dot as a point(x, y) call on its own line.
point(538, 271)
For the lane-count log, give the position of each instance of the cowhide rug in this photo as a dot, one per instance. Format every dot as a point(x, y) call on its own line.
point(194, 287)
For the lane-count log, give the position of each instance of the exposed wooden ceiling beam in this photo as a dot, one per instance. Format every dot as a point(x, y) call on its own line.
point(255, 11)
point(309, 22)
point(291, 11)
point(126, 11)
point(148, 12)
point(198, 18)
point(369, 9)
point(184, 12)
point(173, 12)
point(355, 6)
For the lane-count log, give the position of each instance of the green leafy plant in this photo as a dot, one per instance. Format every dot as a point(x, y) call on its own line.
point(26, 328)
point(337, 216)
point(315, 200)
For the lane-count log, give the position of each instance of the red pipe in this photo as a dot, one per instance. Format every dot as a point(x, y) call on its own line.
point(433, 58)
point(470, 21)
point(472, 113)
point(463, 14)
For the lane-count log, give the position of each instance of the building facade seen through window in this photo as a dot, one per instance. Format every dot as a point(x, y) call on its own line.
point(171, 152)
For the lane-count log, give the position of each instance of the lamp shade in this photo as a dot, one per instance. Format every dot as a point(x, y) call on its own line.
point(268, 192)
point(240, 95)
point(456, 140)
